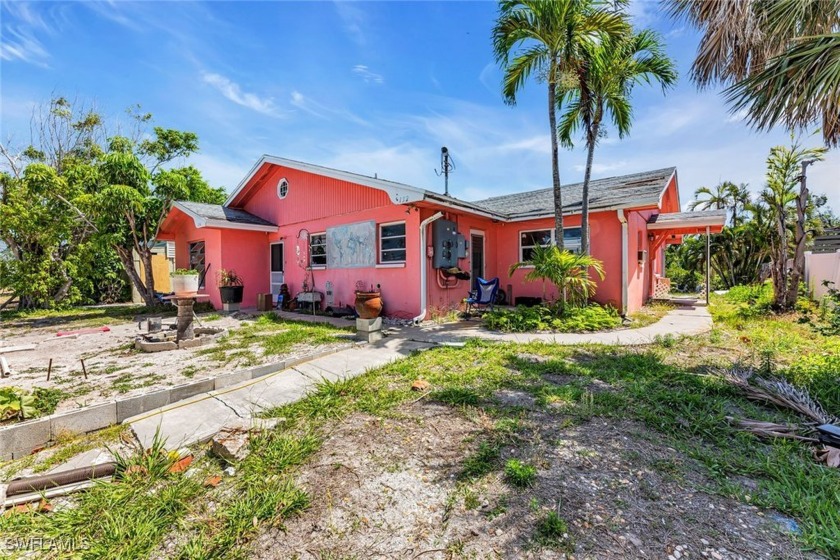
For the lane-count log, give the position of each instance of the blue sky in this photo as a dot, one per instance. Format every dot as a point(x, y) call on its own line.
point(371, 87)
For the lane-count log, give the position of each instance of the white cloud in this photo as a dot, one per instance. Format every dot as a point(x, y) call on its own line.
point(322, 111)
point(353, 20)
point(21, 23)
point(367, 75)
point(603, 168)
point(233, 92)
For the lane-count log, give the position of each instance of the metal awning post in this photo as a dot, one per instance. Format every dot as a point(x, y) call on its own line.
point(708, 264)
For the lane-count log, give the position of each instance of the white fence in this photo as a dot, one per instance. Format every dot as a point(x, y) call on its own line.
point(820, 267)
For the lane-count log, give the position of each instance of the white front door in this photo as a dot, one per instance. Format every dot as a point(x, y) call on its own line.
point(277, 266)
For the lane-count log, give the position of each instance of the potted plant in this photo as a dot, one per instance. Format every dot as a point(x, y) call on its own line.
point(368, 301)
point(230, 288)
point(184, 281)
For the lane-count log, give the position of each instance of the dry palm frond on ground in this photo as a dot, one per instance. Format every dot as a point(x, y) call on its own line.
point(783, 394)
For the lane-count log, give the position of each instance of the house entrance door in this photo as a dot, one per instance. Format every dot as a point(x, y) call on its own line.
point(477, 256)
point(276, 268)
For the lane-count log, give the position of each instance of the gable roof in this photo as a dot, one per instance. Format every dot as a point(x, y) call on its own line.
point(637, 190)
point(218, 216)
point(626, 191)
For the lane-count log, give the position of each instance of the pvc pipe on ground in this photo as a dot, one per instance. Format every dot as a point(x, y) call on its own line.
point(47, 494)
point(5, 370)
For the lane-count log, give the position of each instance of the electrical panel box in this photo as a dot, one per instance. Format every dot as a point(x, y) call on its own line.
point(445, 240)
point(460, 246)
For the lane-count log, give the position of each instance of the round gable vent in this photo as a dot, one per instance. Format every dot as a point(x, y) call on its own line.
point(282, 188)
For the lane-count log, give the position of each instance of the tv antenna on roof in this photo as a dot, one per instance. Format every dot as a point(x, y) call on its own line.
point(447, 165)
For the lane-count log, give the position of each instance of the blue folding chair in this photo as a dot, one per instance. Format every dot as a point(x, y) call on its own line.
point(484, 296)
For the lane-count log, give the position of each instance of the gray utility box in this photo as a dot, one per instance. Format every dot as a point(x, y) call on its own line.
point(449, 245)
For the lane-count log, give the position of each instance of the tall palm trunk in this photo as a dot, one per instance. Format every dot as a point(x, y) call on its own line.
point(798, 270)
point(592, 136)
point(555, 161)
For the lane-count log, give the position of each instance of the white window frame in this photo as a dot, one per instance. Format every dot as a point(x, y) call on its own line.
point(312, 264)
point(280, 184)
point(380, 238)
point(570, 247)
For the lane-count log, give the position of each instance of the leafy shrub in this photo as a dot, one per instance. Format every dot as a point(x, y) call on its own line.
point(544, 318)
point(18, 404)
point(749, 301)
point(830, 311)
point(520, 474)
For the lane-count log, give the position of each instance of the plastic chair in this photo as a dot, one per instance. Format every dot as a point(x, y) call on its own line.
point(484, 295)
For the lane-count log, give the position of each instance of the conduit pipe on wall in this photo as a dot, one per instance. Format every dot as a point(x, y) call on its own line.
point(624, 264)
point(423, 267)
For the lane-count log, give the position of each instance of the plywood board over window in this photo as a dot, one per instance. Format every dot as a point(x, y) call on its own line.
point(351, 245)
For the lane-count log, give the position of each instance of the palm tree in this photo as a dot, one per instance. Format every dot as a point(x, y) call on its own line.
point(611, 68)
point(546, 38)
point(714, 198)
point(567, 270)
point(780, 59)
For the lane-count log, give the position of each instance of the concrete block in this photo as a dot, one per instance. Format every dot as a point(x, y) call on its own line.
point(369, 325)
point(154, 346)
point(132, 406)
point(21, 439)
point(229, 379)
point(371, 336)
point(230, 307)
point(260, 371)
point(84, 420)
point(181, 392)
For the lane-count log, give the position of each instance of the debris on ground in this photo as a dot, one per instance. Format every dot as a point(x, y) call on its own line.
point(783, 394)
point(212, 481)
point(231, 443)
point(420, 385)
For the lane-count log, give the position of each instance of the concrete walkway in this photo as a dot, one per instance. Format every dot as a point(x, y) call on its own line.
point(198, 419)
point(683, 320)
point(201, 417)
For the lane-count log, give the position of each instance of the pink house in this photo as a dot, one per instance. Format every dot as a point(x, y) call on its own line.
point(297, 223)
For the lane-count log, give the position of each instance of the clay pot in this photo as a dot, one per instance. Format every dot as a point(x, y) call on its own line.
point(368, 304)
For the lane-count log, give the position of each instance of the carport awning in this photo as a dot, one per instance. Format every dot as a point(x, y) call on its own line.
point(687, 223)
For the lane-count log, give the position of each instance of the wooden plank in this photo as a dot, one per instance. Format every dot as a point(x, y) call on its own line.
point(21, 348)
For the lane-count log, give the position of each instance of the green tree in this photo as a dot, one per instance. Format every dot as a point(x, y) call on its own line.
point(71, 203)
point(780, 59)
point(136, 196)
point(568, 271)
point(726, 195)
point(788, 208)
point(611, 68)
point(546, 38)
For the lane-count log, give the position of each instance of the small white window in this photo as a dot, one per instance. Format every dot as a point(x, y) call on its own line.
point(392, 243)
point(282, 188)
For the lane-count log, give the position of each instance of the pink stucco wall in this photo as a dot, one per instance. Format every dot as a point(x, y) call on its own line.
point(316, 203)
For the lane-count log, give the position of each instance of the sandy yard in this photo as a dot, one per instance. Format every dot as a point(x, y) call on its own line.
point(115, 369)
point(393, 488)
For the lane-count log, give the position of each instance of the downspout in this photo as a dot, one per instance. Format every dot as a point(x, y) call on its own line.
point(624, 265)
point(423, 275)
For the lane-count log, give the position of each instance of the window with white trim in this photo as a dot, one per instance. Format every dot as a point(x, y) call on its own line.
point(318, 249)
point(545, 237)
point(392, 243)
point(282, 188)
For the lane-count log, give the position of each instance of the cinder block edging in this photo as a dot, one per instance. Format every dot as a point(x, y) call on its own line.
point(19, 440)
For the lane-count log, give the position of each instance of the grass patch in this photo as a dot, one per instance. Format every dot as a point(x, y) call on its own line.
point(552, 531)
point(273, 336)
point(650, 314)
point(520, 474)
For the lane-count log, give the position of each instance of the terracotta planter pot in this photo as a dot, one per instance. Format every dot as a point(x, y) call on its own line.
point(368, 304)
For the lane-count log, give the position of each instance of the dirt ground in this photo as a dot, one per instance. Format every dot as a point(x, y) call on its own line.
point(115, 369)
point(389, 488)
